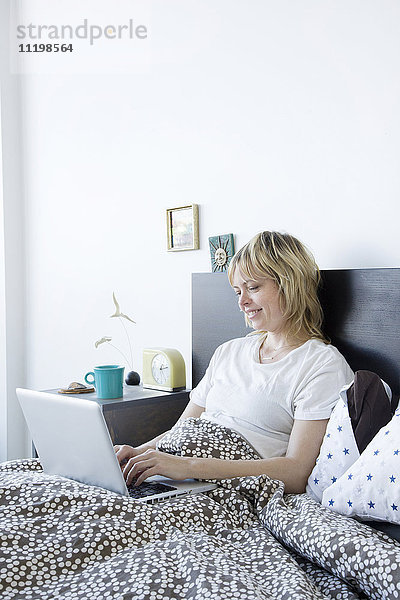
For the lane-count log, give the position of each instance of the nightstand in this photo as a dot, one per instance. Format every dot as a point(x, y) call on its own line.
point(140, 415)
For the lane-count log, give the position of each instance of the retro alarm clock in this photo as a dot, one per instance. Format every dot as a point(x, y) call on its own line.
point(163, 369)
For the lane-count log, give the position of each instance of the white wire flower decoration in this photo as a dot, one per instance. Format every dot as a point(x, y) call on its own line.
point(118, 312)
point(107, 339)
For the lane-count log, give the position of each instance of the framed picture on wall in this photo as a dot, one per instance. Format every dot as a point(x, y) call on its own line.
point(183, 228)
point(222, 248)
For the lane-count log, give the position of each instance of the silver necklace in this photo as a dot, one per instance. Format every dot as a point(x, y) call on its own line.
point(276, 350)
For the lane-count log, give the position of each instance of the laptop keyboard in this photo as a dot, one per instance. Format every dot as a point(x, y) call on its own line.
point(148, 489)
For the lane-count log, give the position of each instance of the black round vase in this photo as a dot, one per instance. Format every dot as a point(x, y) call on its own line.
point(132, 378)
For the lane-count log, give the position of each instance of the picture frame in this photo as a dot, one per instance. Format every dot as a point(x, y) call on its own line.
point(222, 249)
point(183, 228)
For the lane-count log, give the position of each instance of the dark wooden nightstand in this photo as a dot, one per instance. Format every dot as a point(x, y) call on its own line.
point(141, 414)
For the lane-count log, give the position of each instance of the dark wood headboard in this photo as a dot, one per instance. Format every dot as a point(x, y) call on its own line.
point(362, 319)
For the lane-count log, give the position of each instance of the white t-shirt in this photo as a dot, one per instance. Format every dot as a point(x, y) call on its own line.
point(261, 400)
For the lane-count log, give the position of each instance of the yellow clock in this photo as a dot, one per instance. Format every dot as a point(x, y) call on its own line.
point(163, 369)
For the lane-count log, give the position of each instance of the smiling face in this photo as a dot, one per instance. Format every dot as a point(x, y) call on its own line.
point(260, 301)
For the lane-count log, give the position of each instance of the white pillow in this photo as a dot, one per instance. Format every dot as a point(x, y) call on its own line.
point(338, 450)
point(370, 488)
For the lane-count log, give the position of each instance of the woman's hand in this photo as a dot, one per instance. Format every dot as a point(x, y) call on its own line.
point(150, 462)
point(125, 452)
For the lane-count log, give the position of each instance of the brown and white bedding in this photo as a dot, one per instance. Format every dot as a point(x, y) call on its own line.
point(60, 539)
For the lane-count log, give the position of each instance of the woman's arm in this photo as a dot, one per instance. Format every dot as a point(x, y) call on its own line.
point(192, 410)
point(124, 452)
point(293, 469)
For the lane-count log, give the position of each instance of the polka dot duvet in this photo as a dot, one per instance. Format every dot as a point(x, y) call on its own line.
point(60, 539)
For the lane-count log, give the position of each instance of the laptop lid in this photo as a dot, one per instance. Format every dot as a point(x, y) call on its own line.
point(72, 440)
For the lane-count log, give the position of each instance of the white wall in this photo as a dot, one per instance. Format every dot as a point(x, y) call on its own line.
point(13, 439)
point(269, 115)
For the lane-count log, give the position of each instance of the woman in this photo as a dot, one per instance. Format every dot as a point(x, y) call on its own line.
point(276, 386)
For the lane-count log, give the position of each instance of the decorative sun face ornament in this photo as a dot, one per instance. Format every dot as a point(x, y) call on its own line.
point(221, 249)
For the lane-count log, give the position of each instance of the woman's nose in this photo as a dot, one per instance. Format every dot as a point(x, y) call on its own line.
point(243, 299)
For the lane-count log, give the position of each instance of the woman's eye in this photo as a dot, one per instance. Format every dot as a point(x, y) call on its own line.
point(253, 288)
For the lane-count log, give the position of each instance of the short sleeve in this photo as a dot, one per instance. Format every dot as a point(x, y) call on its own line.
point(320, 391)
point(199, 394)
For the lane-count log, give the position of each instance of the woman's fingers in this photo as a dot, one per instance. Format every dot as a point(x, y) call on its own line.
point(124, 452)
point(145, 474)
point(153, 462)
point(136, 466)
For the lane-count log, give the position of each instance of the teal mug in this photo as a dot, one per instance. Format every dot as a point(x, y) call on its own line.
point(108, 381)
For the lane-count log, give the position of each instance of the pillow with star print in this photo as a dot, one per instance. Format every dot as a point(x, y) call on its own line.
point(338, 450)
point(370, 488)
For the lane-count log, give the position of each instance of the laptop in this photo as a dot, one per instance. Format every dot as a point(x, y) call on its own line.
point(72, 440)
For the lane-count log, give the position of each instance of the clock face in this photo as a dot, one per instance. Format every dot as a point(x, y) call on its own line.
point(160, 368)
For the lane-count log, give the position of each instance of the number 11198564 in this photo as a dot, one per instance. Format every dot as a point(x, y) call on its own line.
point(45, 48)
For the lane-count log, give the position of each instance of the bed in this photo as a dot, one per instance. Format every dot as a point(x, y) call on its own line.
point(247, 538)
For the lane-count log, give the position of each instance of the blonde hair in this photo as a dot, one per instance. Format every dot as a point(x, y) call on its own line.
point(291, 265)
